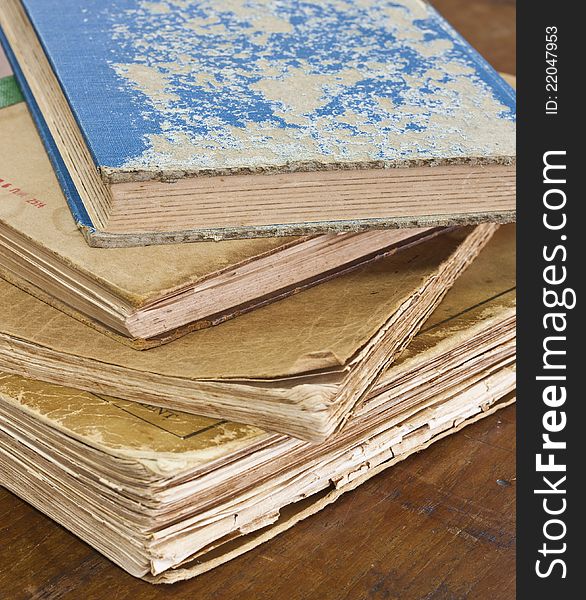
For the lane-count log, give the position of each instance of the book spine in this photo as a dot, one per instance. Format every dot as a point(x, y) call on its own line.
point(74, 201)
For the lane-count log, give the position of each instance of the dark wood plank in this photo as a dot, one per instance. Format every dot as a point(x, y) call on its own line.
point(489, 25)
point(438, 526)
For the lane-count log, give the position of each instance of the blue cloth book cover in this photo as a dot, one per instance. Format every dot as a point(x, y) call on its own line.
point(148, 100)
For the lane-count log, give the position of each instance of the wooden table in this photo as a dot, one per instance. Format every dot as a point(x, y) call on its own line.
point(439, 526)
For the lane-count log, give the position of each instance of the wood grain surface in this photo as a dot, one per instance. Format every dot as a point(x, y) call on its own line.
point(439, 526)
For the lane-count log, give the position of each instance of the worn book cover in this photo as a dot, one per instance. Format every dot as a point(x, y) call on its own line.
point(169, 495)
point(196, 119)
point(146, 296)
point(297, 366)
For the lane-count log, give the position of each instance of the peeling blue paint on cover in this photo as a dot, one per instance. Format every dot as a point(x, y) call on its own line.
point(209, 85)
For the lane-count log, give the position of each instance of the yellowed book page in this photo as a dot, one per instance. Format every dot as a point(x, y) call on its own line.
point(487, 288)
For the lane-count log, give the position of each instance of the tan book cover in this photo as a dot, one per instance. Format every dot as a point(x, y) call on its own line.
point(168, 495)
point(297, 366)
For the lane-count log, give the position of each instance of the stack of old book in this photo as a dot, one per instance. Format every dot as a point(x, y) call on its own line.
point(250, 257)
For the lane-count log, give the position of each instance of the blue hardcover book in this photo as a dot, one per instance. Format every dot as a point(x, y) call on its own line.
point(178, 120)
